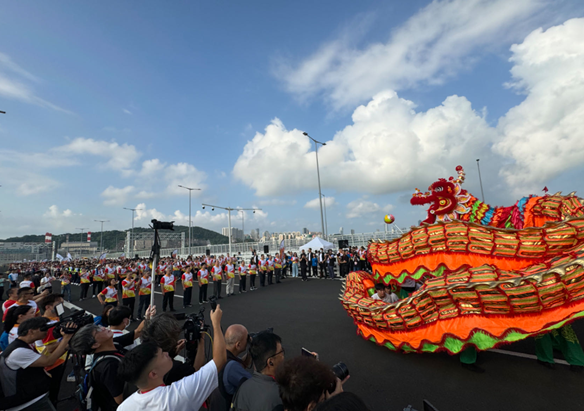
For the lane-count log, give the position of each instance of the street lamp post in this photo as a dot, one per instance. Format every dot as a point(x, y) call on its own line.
point(325, 220)
point(316, 143)
point(480, 180)
point(131, 232)
point(101, 236)
point(81, 237)
point(229, 210)
point(242, 223)
point(190, 190)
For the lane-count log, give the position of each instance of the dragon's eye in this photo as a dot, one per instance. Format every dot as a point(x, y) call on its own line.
point(438, 189)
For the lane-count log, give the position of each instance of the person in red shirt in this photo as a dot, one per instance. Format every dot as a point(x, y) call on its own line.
point(203, 276)
point(145, 289)
point(217, 278)
point(12, 298)
point(167, 284)
point(187, 282)
point(109, 295)
point(129, 292)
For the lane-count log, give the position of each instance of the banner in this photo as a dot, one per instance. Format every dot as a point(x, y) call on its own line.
point(59, 257)
point(282, 247)
point(48, 238)
point(123, 256)
point(174, 253)
point(69, 258)
point(89, 236)
point(102, 258)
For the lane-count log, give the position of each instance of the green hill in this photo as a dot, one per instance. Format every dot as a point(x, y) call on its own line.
point(114, 239)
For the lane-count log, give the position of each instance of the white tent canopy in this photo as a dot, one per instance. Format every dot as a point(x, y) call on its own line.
point(316, 244)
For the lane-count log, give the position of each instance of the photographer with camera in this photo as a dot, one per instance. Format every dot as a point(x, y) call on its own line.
point(164, 330)
point(147, 364)
point(25, 384)
point(260, 392)
point(305, 382)
point(235, 371)
point(51, 342)
point(109, 390)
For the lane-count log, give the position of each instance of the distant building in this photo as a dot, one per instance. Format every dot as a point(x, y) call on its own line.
point(266, 234)
point(352, 231)
point(305, 231)
point(341, 231)
point(236, 233)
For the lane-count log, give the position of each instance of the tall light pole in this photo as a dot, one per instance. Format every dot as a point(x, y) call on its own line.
point(81, 237)
point(190, 190)
point(325, 221)
point(480, 180)
point(316, 143)
point(101, 236)
point(131, 232)
point(229, 210)
point(242, 223)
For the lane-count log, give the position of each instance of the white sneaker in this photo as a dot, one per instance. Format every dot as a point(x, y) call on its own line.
point(71, 377)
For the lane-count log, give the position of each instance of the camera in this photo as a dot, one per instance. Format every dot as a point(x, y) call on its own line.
point(341, 370)
point(162, 225)
point(193, 327)
point(78, 317)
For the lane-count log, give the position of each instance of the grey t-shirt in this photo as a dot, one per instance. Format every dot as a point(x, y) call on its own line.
point(259, 393)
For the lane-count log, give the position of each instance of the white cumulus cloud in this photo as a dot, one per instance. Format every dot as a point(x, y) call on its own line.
point(314, 203)
point(365, 208)
point(117, 196)
point(544, 135)
point(434, 44)
point(388, 148)
point(118, 156)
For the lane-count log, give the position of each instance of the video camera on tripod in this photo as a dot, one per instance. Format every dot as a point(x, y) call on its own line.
point(77, 317)
point(195, 325)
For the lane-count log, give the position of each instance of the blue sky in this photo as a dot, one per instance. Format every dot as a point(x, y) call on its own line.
point(113, 104)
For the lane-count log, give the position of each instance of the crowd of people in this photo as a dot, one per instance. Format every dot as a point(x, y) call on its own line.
point(141, 369)
point(130, 282)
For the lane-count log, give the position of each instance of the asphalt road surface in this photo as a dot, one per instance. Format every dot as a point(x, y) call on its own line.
point(309, 314)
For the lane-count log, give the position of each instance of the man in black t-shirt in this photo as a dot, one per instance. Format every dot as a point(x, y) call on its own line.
point(109, 390)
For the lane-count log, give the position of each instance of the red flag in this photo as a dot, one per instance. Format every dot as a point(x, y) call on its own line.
point(545, 189)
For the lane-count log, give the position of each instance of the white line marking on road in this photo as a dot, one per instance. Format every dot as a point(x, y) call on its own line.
point(522, 355)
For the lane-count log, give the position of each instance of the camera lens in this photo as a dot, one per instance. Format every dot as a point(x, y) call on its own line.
point(341, 371)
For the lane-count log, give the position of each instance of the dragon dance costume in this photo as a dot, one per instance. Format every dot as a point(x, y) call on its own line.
point(492, 276)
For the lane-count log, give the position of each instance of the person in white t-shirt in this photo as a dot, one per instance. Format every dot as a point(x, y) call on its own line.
point(384, 294)
point(27, 282)
point(21, 356)
point(146, 365)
